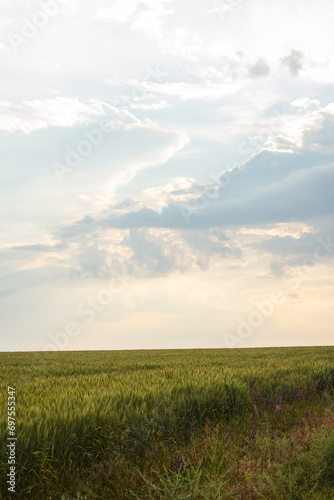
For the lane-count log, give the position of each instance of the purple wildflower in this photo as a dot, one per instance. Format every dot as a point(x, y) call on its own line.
point(178, 462)
point(307, 414)
point(229, 434)
point(298, 423)
point(254, 430)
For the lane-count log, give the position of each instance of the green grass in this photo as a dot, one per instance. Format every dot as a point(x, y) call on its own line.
point(108, 424)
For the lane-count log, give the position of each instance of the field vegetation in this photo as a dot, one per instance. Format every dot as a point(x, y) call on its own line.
point(171, 424)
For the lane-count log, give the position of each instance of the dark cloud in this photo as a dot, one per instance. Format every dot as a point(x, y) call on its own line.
point(280, 191)
point(259, 69)
point(147, 252)
point(271, 187)
point(294, 62)
point(38, 247)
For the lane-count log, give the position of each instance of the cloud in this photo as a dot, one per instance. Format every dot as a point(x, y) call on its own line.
point(39, 247)
point(27, 116)
point(145, 16)
point(150, 107)
point(282, 201)
point(307, 128)
point(145, 252)
point(270, 188)
point(66, 158)
point(318, 134)
point(259, 69)
point(222, 7)
point(184, 90)
point(304, 102)
point(294, 62)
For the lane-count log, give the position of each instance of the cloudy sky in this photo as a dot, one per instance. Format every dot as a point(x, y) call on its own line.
point(166, 173)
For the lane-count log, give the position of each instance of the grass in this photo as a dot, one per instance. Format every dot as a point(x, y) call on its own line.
point(204, 423)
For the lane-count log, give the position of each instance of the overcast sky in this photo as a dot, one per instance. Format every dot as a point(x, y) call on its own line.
point(167, 173)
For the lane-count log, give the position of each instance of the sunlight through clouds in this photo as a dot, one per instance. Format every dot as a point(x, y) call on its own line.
point(184, 149)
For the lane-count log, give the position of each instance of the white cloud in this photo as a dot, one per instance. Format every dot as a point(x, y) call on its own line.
point(179, 190)
point(305, 103)
point(222, 7)
point(145, 16)
point(27, 116)
point(183, 90)
point(148, 107)
point(311, 130)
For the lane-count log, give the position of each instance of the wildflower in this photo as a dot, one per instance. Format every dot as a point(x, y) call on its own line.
point(307, 414)
point(254, 430)
point(229, 434)
point(178, 462)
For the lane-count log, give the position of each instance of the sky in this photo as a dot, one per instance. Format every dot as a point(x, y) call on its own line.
point(166, 174)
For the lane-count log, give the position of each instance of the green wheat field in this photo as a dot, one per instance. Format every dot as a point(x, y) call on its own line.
point(171, 424)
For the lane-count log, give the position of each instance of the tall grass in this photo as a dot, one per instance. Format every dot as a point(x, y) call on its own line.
point(76, 409)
